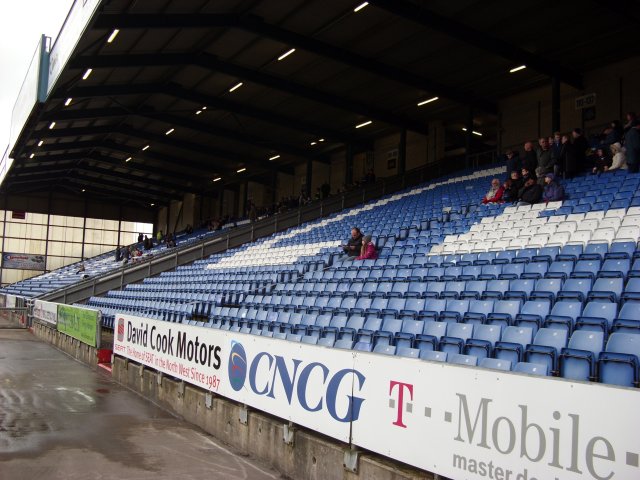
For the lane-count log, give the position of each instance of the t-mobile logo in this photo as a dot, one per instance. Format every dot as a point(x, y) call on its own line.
point(120, 329)
point(398, 402)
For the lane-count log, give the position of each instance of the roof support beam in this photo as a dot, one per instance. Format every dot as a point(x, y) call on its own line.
point(427, 18)
point(257, 26)
point(213, 63)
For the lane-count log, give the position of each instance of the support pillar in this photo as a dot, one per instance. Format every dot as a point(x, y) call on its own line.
point(348, 174)
point(309, 176)
point(469, 138)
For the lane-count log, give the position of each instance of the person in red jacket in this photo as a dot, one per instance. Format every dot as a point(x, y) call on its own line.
point(494, 195)
point(368, 250)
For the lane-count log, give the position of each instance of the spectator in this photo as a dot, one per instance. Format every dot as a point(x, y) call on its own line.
point(352, 248)
point(618, 160)
point(580, 147)
point(556, 144)
point(147, 243)
point(514, 184)
point(494, 195)
point(530, 160)
point(601, 161)
point(513, 161)
point(630, 117)
point(567, 161)
point(80, 268)
point(159, 236)
point(325, 190)
point(368, 250)
point(171, 240)
point(632, 146)
point(553, 191)
point(546, 161)
point(526, 175)
point(126, 255)
point(189, 229)
point(530, 193)
point(370, 177)
point(140, 238)
point(118, 254)
point(612, 134)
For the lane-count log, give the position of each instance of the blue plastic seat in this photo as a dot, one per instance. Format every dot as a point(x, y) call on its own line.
point(531, 368)
point(546, 347)
point(546, 288)
point(532, 314)
point(618, 364)
point(495, 364)
point(504, 312)
point(483, 340)
point(363, 347)
point(433, 307)
point(597, 316)
point(407, 352)
point(433, 356)
point(578, 359)
point(460, 359)
point(563, 315)
point(575, 289)
point(454, 340)
point(560, 269)
point(343, 344)
point(478, 311)
point(385, 349)
point(606, 289)
point(496, 289)
point(628, 320)
point(454, 310)
point(513, 343)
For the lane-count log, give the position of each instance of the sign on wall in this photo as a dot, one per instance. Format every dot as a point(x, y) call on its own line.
point(79, 323)
point(45, 311)
point(23, 261)
point(459, 422)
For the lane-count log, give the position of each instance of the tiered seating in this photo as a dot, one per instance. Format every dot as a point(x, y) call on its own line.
point(544, 290)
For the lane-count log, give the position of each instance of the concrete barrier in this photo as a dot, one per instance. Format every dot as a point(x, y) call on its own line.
point(296, 452)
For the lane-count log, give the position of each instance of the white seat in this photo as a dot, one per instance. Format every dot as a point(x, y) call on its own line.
point(517, 216)
point(523, 208)
point(633, 220)
point(499, 245)
point(511, 209)
point(632, 211)
point(539, 240)
point(575, 217)
point(567, 227)
point(589, 224)
point(631, 232)
point(528, 232)
point(553, 205)
point(549, 228)
point(539, 221)
point(602, 235)
point(518, 242)
point(557, 219)
point(495, 235)
point(559, 238)
point(538, 207)
point(594, 215)
point(616, 212)
point(611, 222)
point(479, 235)
point(511, 233)
point(580, 236)
point(531, 214)
point(522, 223)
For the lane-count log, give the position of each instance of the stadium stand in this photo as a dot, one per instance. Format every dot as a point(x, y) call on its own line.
point(543, 289)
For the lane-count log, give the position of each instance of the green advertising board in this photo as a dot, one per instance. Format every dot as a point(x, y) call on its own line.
point(79, 323)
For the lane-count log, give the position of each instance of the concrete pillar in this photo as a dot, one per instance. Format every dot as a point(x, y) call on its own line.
point(435, 142)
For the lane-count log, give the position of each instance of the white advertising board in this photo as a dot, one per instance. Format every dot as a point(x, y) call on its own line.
point(297, 382)
point(72, 29)
point(45, 311)
point(10, 301)
point(458, 422)
point(472, 423)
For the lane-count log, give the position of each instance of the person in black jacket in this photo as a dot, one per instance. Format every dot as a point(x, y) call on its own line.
point(530, 193)
point(353, 246)
point(513, 161)
point(530, 159)
point(580, 147)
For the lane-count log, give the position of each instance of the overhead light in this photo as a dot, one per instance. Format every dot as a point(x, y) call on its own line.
point(87, 73)
point(113, 35)
point(217, 179)
point(235, 87)
point(241, 170)
point(145, 147)
point(361, 6)
point(68, 102)
point(40, 143)
point(83, 190)
point(517, 69)
point(51, 125)
point(128, 159)
point(274, 157)
point(170, 131)
point(364, 124)
point(204, 108)
point(321, 140)
point(464, 129)
point(286, 54)
point(32, 155)
point(152, 204)
point(198, 112)
point(424, 102)
point(313, 143)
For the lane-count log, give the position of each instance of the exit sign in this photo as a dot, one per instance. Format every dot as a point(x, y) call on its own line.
point(586, 101)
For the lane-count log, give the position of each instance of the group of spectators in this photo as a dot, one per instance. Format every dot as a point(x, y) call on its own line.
point(534, 176)
point(359, 246)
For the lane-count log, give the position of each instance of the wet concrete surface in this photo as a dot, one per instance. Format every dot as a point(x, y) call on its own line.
point(61, 420)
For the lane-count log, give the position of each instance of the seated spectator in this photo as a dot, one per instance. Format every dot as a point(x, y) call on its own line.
point(353, 246)
point(80, 268)
point(189, 229)
point(530, 193)
point(368, 250)
point(619, 160)
point(511, 187)
point(494, 195)
point(632, 146)
point(553, 191)
point(612, 134)
point(526, 175)
point(118, 254)
point(601, 161)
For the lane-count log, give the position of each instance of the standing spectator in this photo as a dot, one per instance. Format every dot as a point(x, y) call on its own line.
point(632, 145)
point(159, 236)
point(553, 191)
point(530, 193)
point(545, 158)
point(567, 161)
point(140, 238)
point(618, 160)
point(494, 195)
point(352, 248)
point(118, 254)
point(325, 189)
point(556, 144)
point(530, 160)
point(370, 177)
point(630, 117)
point(368, 249)
point(580, 147)
point(126, 254)
point(613, 133)
point(147, 243)
point(513, 161)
